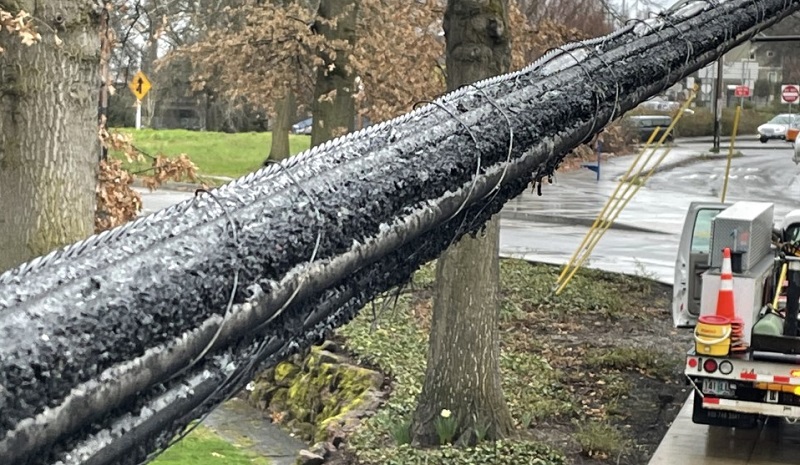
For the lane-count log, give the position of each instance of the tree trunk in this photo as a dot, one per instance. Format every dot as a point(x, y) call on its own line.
point(333, 105)
point(463, 374)
point(151, 100)
point(48, 130)
point(284, 109)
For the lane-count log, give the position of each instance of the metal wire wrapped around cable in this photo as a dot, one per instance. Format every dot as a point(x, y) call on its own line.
point(109, 347)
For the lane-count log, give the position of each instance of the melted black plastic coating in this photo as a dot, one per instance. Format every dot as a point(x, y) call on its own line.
point(63, 325)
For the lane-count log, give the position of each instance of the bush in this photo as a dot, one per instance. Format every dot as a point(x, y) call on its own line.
point(701, 123)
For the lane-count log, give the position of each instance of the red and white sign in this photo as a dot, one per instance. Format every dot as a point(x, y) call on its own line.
point(742, 91)
point(790, 93)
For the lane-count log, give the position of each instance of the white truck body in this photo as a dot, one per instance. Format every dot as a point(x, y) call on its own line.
point(739, 389)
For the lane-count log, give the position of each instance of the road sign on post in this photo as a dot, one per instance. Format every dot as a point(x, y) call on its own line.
point(742, 92)
point(140, 86)
point(790, 93)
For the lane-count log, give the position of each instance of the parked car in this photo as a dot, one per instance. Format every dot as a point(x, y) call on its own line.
point(644, 125)
point(302, 127)
point(776, 127)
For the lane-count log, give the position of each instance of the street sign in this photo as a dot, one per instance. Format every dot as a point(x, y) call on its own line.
point(742, 91)
point(790, 93)
point(139, 85)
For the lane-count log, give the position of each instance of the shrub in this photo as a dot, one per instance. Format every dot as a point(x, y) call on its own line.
point(701, 123)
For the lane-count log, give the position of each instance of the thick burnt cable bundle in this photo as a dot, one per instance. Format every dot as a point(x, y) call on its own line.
point(110, 347)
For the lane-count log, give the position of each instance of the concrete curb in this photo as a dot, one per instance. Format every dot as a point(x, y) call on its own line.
point(699, 158)
point(172, 186)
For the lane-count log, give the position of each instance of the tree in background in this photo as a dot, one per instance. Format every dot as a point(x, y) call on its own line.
point(333, 105)
point(382, 56)
point(48, 128)
point(462, 379)
point(586, 16)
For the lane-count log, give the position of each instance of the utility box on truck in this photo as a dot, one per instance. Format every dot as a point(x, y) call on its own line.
point(746, 229)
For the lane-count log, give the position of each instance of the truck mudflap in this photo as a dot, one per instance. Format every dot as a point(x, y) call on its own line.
point(790, 412)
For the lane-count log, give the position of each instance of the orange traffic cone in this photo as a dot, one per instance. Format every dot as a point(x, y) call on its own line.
point(725, 306)
point(725, 298)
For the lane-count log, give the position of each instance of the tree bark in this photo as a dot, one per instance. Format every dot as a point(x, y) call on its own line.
point(284, 109)
point(334, 106)
point(463, 374)
point(147, 65)
point(48, 130)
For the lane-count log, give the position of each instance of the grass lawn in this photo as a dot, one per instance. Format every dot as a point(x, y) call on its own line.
point(214, 153)
point(203, 447)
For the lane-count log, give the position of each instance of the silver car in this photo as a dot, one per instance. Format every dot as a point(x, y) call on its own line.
point(777, 126)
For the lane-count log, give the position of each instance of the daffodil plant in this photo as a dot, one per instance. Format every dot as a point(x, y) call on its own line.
point(446, 427)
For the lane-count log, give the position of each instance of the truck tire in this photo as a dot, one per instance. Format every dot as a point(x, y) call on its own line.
point(702, 416)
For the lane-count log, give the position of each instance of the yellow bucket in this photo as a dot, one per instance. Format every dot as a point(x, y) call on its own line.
point(712, 335)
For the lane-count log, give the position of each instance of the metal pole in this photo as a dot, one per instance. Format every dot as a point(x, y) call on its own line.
point(718, 105)
point(138, 114)
point(730, 152)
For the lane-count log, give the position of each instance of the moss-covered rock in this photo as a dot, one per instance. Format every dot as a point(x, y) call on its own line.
point(285, 372)
point(317, 396)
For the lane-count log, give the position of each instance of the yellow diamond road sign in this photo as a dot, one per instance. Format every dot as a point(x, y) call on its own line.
point(139, 85)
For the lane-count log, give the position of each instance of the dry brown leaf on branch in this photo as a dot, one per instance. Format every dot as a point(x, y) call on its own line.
point(20, 25)
point(117, 202)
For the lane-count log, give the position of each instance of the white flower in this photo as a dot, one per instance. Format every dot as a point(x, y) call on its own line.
point(445, 413)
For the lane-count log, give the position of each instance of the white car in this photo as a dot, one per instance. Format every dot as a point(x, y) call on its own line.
point(777, 126)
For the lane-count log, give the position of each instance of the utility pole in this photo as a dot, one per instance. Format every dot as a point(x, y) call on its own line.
point(718, 105)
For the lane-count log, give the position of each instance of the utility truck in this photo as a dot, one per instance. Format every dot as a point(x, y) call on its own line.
point(740, 377)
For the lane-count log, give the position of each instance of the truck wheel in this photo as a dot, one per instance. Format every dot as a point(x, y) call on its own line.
point(763, 139)
point(722, 418)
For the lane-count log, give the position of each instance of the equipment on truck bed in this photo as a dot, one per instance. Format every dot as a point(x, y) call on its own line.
point(745, 363)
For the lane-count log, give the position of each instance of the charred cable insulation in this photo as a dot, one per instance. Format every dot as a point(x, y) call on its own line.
point(96, 339)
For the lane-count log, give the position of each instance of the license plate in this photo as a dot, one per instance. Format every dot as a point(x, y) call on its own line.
point(718, 388)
